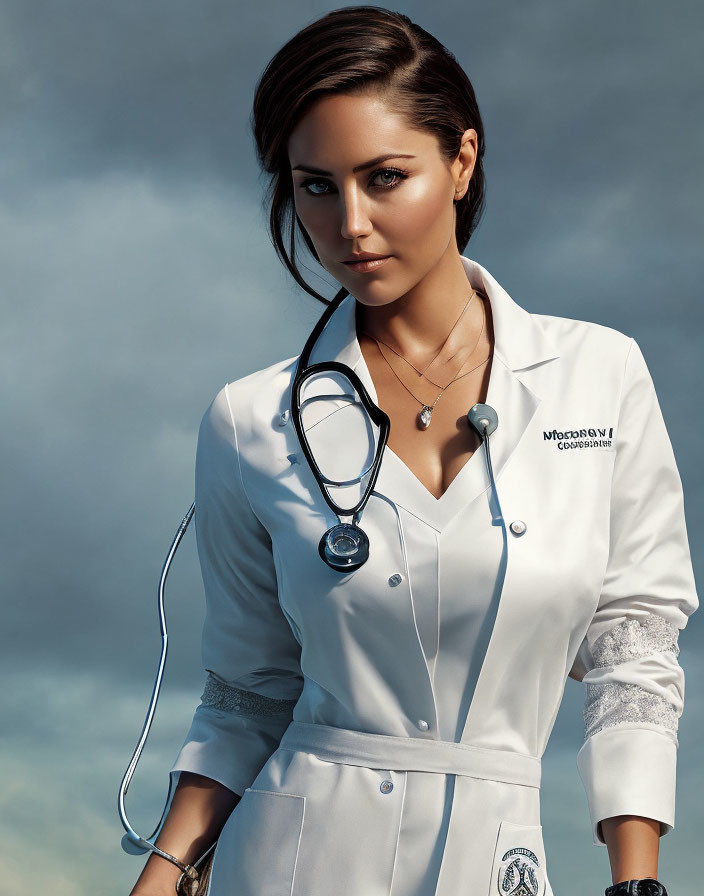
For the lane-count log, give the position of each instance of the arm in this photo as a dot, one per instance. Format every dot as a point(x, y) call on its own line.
point(248, 648)
point(248, 651)
point(628, 657)
point(199, 809)
point(633, 843)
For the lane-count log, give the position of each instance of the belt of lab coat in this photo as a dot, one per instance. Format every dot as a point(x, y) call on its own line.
point(363, 748)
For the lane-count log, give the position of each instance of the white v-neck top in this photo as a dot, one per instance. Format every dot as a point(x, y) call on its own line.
point(454, 587)
point(454, 561)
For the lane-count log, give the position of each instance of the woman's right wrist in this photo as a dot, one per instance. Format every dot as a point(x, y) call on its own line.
point(158, 878)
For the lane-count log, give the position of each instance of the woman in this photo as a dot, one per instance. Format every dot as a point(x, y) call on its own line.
point(380, 730)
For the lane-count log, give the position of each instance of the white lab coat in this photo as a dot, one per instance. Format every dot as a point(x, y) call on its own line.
point(321, 709)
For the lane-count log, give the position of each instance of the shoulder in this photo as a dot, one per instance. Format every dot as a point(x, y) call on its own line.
point(577, 338)
point(593, 355)
point(246, 408)
point(268, 384)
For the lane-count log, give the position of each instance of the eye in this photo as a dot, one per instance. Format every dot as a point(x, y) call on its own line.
point(305, 184)
point(396, 173)
point(399, 175)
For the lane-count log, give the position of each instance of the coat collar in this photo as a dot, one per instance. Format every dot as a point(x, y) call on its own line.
point(520, 343)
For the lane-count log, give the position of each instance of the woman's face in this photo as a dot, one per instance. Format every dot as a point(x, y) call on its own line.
point(401, 206)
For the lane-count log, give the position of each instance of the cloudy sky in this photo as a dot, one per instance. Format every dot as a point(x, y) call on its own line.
point(134, 260)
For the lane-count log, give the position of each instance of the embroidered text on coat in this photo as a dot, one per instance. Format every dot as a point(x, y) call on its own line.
point(588, 437)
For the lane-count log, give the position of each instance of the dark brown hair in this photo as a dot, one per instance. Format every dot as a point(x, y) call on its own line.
point(362, 49)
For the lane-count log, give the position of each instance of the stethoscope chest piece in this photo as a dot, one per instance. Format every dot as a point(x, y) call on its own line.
point(344, 547)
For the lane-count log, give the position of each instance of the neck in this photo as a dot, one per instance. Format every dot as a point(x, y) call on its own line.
point(417, 323)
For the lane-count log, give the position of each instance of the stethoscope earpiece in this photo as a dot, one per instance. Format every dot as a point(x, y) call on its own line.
point(133, 848)
point(483, 418)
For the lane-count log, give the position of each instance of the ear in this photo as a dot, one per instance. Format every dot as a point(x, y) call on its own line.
point(463, 166)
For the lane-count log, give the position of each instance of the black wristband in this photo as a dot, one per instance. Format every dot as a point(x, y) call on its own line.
point(645, 886)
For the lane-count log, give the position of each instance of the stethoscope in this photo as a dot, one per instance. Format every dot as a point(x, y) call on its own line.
point(344, 547)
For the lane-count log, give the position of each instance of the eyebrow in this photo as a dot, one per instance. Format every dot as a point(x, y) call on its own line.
point(370, 164)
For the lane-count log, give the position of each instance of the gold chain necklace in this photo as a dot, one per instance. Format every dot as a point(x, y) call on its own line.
point(422, 372)
point(426, 412)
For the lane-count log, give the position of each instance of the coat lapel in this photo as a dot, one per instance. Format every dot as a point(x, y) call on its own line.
point(519, 344)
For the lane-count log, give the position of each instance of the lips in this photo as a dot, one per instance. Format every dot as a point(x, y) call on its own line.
point(366, 256)
point(368, 264)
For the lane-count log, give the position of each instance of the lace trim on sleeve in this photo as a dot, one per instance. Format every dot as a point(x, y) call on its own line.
point(220, 694)
point(614, 703)
point(633, 638)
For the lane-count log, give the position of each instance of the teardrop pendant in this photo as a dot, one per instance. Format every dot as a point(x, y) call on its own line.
point(425, 416)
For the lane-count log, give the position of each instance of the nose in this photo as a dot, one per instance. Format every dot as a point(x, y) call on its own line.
point(354, 216)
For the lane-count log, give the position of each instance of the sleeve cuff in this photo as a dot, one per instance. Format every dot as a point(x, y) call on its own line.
point(629, 771)
point(228, 747)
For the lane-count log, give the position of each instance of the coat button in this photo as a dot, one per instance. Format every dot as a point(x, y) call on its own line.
point(386, 786)
point(518, 527)
point(283, 419)
point(423, 725)
point(395, 579)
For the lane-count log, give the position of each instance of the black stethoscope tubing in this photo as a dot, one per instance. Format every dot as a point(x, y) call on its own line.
point(379, 417)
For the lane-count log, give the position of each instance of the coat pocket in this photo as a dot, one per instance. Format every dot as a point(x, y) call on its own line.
point(518, 865)
point(258, 847)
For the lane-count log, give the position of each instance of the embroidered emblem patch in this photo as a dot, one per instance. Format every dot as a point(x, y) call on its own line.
point(519, 873)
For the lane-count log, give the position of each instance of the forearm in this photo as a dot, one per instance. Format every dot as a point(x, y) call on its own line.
point(199, 809)
point(633, 843)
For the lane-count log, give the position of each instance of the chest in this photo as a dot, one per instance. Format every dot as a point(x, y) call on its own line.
point(552, 469)
point(435, 455)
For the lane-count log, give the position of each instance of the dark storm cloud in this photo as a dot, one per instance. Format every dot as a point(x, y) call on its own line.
point(157, 88)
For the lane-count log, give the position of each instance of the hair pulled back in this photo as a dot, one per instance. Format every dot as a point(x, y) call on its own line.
point(352, 50)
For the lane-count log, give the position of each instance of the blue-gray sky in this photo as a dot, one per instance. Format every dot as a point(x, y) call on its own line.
point(136, 274)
